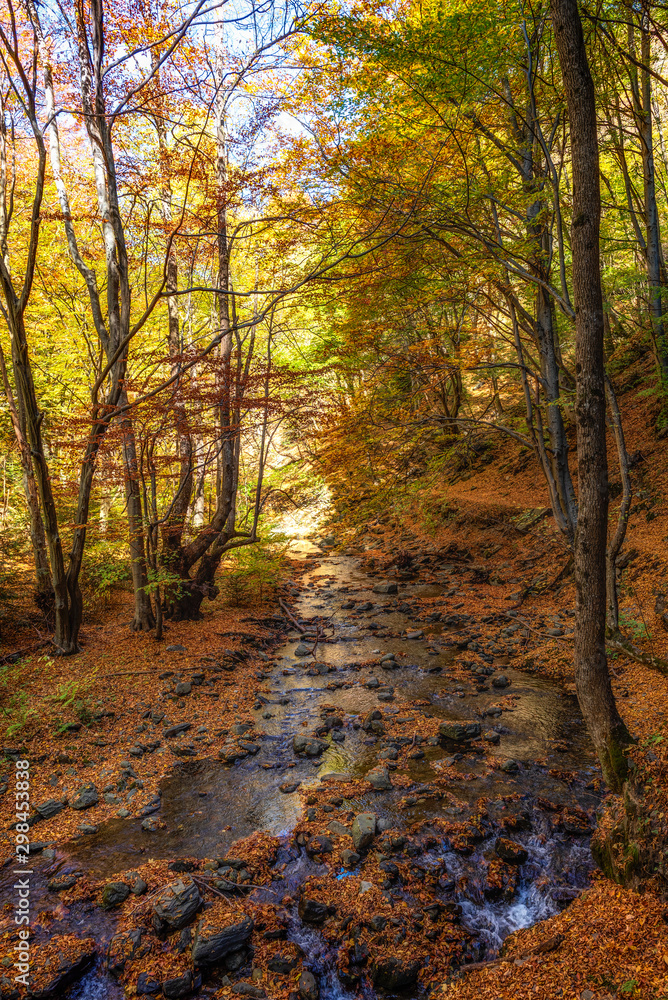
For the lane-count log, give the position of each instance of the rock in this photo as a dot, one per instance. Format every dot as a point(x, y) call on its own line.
point(147, 985)
point(289, 786)
point(150, 824)
point(415, 635)
point(176, 905)
point(350, 858)
point(183, 687)
point(307, 986)
point(365, 887)
point(308, 746)
point(180, 986)
point(56, 969)
point(389, 753)
point(302, 649)
point(364, 830)
point(500, 681)
point(395, 973)
point(380, 779)
point(373, 682)
point(114, 893)
point(492, 737)
point(86, 797)
point(338, 829)
point(177, 730)
point(510, 766)
point(213, 942)
point(510, 852)
point(312, 911)
point(122, 947)
point(87, 829)
point(319, 845)
point(50, 808)
point(458, 732)
point(176, 648)
point(385, 588)
point(248, 990)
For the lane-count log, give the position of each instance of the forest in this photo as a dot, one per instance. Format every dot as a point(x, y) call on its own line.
point(334, 516)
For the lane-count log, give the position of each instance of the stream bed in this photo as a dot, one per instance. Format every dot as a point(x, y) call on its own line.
point(536, 774)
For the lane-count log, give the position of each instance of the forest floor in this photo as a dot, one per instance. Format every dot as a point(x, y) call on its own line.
point(104, 730)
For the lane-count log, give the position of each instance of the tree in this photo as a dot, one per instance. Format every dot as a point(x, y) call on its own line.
point(608, 732)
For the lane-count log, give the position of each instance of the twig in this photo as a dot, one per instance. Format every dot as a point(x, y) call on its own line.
point(291, 616)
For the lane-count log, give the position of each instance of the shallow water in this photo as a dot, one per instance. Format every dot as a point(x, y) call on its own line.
point(200, 799)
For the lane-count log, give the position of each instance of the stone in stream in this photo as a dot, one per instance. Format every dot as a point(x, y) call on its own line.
point(319, 845)
point(501, 681)
point(510, 852)
point(492, 737)
point(302, 649)
point(289, 786)
point(389, 753)
point(178, 986)
point(385, 588)
point(395, 973)
point(307, 986)
point(380, 779)
point(214, 941)
point(414, 635)
point(458, 732)
point(122, 947)
point(114, 893)
point(373, 682)
point(147, 985)
point(312, 911)
point(308, 746)
point(510, 766)
point(364, 830)
point(176, 905)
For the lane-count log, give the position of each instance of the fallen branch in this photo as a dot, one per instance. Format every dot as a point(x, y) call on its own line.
point(621, 645)
point(9, 658)
point(291, 616)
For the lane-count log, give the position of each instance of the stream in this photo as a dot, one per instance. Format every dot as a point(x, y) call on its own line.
point(207, 805)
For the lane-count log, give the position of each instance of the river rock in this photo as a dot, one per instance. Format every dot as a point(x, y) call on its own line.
point(180, 986)
point(307, 986)
point(319, 845)
point(114, 893)
point(312, 911)
point(122, 947)
point(458, 732)
point(510, 852)
point(213, 941)
point(176, 905)
point(364, 830)
point(395, 973)
point(50, 808)
point(308, 746)
point(147, 985)
point(510, 766)
point(350, 858)
point(390, 587)
point(500, 681)
point(303, 650)
point(380, 779)
point(56, 968)
point(86, 797)
point(492, 737)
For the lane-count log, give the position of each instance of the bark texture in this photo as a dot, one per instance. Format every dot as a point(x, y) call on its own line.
point(607, 730)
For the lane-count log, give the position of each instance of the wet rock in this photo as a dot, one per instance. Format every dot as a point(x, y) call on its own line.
point(63, 883)
point(147, 985)
point(459, 732)
point(308, 746)
point(389, 753)
point(302, 649)
point(87, 829)
point(86, 797)
point(122, 947)
point(248, 990)
point(373, 682)
point(510, 766)
point(289, 786)
point(114, 893)
point(380, 779)
point(61, 967)
point(239, 728)
point(50, 808)
point(214, 941)
point(283, 964)
point(395, 973)
point(364, 830)
point(150, 824)
point(414, 635)
point(510, 852)
point(491, 737)
point(180, 986)
point(176, 905)
point(500, 681)
point(338, 829)
point(385, 588)
point(307, 986)
point(312, 911)
point(319, 845)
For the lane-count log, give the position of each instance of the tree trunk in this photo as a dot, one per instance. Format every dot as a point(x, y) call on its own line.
point(607, 730)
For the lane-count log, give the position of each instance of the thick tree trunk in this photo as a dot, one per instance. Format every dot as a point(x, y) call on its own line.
point(607, 730)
